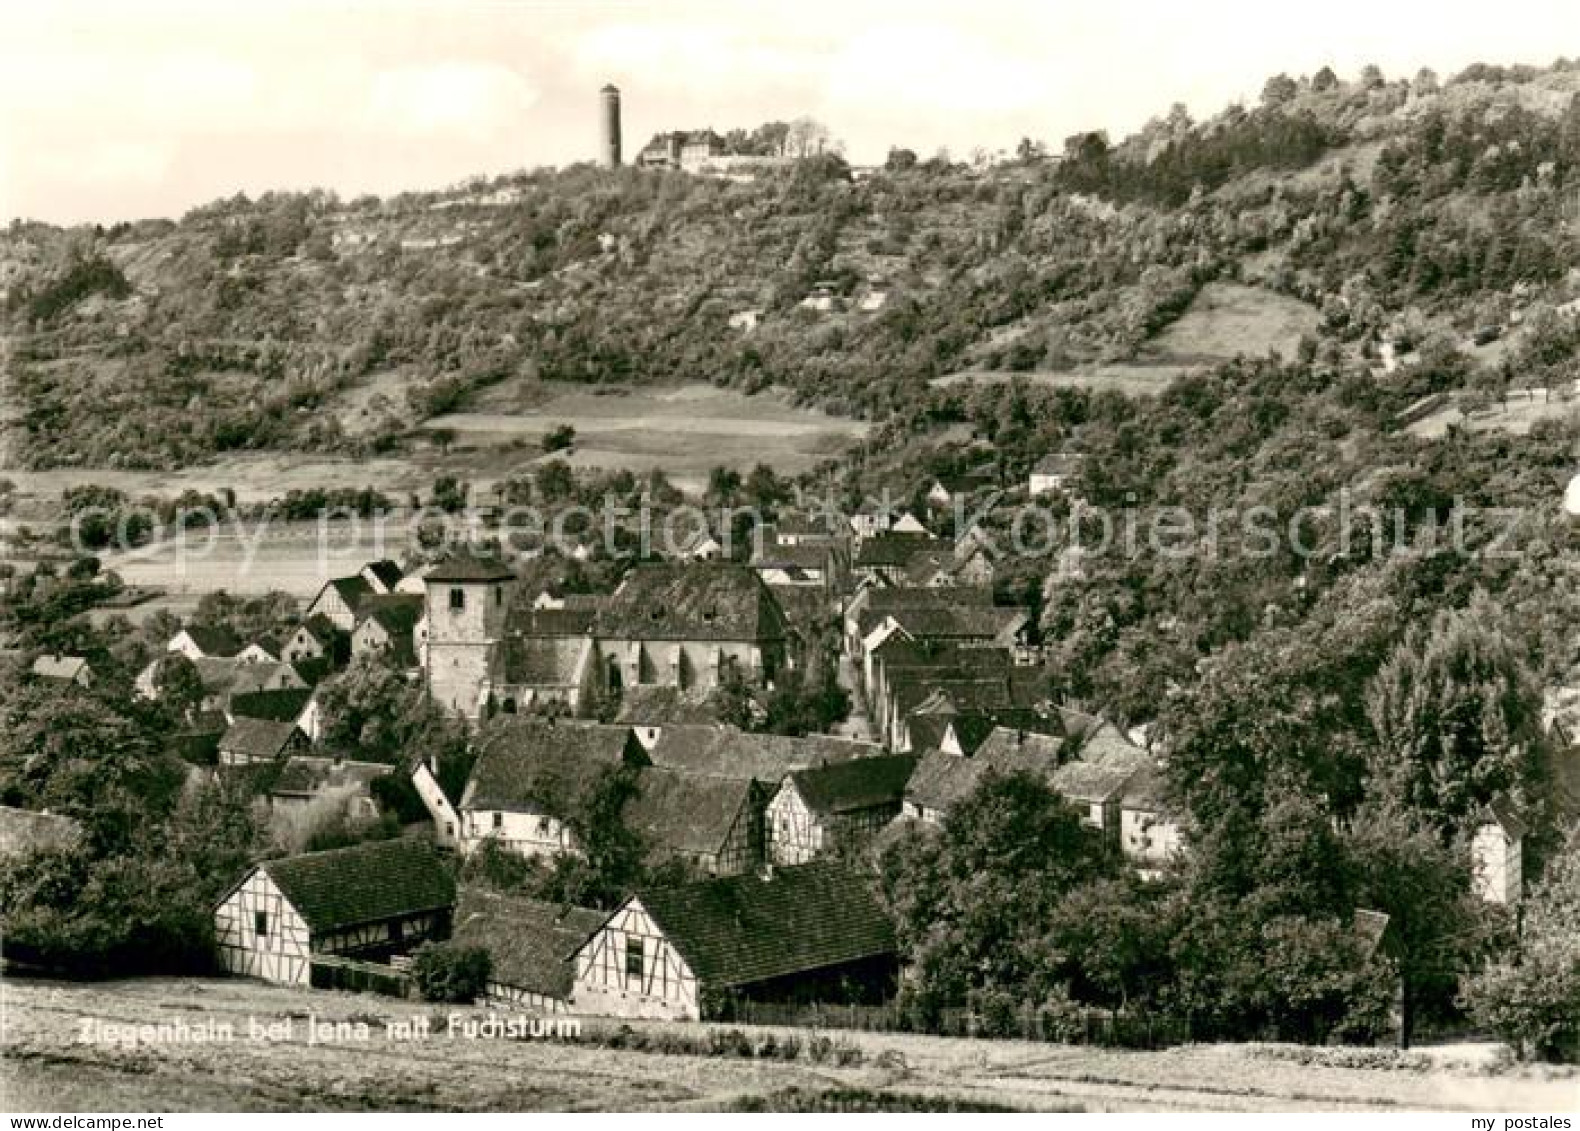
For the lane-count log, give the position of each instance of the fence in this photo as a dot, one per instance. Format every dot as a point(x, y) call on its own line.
point(1077, 1026)
point(331, 972)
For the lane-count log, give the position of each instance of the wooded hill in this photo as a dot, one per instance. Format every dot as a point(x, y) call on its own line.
point(1395, 207)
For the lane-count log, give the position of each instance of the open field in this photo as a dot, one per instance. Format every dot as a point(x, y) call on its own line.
point(1224, 320)
point(685, 431)
point(48, 1066)
point(1516, 415)
point(1131, 379)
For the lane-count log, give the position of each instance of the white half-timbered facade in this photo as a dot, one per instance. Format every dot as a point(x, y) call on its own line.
point(369, 901)
point(630, 969)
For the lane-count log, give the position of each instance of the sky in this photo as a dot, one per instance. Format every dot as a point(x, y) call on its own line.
point(112, 110)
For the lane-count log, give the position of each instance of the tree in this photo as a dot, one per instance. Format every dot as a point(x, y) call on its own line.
point(178, 683)
point(1278, 90)
point(1531, 997)
point(900, 160)
point(1456, 712)
point(807, 137)
point(450, 972)
point(558, 438)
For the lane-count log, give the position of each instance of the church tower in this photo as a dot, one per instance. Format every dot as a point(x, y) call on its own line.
point(466, 601)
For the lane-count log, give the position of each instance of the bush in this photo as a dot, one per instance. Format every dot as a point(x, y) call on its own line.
point(450, 973)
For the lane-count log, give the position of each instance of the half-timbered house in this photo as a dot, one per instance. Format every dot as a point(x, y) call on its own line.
point(370, 901)
point(808, 933)
point(839, 806)
point(707, 821)
point(249, 742)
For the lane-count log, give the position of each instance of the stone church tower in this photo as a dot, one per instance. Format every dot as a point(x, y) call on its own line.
point(467, 599)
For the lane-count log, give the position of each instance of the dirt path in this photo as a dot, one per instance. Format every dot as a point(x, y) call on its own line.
point(50, 1064)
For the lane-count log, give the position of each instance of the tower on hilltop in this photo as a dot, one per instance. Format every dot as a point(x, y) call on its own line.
point(609, 141)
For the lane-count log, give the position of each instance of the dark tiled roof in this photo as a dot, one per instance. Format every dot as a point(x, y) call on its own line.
point(807, 526)
point(802, 556)
point(890, 549)
point(863, 783)
point(1148, 790)
point(880, 602)
point(398, 613)
point(320, 628)
point(696, 601)
point(23, 831)
point(1501, 811)
point(727, 752)
point(657, 705)
point(388, 572)
point(539, 765)
point(366, 883)
point(214, 640)
point(530, 942)
point(551, 622)
point(1092, 781)
point(686, 813)
point(283, 706)
point(739, 930)
point(245, 678)
point(259, 739)
point(353, 590)
point(959, 623)
point(303, 776)
point(470, 567)
point(943, 780)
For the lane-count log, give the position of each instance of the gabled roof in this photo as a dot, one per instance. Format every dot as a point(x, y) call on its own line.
point(366, 883)
point(568, 621)
point(256, 677)
point(943, 780)
point(727, 752)
point(24, 830)
point(532, 765)
point(693, 601)
point(353, 590)
point(957, 623)
point(800, 555)
point(396, 613)
point(320, 628)
point(812, 525)
point(863, 783)
point(283, 706)
point(738, 930)
point(60, 667)
point(1147, 790)
point(387, 572)
point(465, 566)
point(1092, 781)
point(213, 640)
point(676, 812)
point(660, 705)
point(258, 739)
point(895, 549)
point(1500, 811)
point(529, 941)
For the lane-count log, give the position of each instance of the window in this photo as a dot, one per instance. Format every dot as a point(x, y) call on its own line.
point(633, 959)
point(457, 600)
point(260, 923)
point(499, 820)
point(499, 594)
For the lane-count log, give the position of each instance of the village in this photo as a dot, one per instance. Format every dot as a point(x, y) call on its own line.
point(766, 839)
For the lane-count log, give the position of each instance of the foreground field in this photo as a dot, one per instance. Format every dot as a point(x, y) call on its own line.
point(49, 1066)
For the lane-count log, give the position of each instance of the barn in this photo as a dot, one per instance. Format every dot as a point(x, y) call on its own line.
point(807, 933)
point(370, 901)
point(529, 944)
